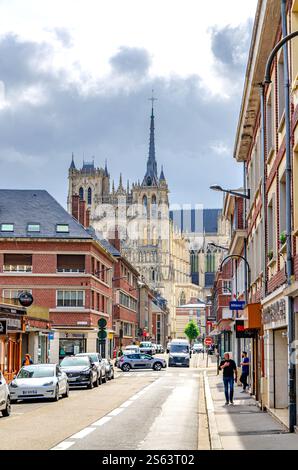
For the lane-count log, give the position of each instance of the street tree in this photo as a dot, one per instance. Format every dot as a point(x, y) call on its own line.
point(192, 331)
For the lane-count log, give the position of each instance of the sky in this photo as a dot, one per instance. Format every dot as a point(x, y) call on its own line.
point(76, 76)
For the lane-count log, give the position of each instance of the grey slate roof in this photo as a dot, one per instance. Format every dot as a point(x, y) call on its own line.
point(23, 207)
point(104, 243)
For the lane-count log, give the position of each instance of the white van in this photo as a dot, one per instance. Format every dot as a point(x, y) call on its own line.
point(179, 354)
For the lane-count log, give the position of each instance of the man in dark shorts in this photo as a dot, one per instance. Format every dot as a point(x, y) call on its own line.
point(229, 368)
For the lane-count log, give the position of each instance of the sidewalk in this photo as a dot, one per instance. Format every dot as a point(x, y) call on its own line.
point(244, 425)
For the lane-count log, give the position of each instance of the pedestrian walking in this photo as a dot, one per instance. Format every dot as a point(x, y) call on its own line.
point(229, 368)
point(245, 371)
point(27, 360)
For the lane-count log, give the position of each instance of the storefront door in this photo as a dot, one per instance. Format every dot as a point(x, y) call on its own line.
point(280, 353)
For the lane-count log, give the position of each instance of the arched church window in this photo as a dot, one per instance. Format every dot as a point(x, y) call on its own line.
point(89, 196)
point(81, 193)
point(153, 206)
point(182, 300)
point(145, 204)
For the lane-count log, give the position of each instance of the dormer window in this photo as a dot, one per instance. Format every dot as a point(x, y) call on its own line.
point(33, 228)
point(7, 227)
point(62, 228)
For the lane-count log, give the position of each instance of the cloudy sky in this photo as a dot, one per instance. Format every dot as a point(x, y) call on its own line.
point(75, 76)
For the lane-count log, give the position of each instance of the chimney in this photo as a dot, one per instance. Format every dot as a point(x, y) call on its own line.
point(87, 218)
point(82, 213)
point(75, 206)
point(116, 240)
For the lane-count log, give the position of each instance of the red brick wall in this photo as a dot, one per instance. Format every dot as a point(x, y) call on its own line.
point(276, 281)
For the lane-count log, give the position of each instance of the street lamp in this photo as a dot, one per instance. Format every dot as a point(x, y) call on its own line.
point(244, 194)
point(218, 246)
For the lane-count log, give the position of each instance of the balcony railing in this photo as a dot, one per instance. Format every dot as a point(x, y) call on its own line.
point(70, 270)
point(20, 268)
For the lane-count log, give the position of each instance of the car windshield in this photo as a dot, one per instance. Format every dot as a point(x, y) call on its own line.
point(75, 361)
point(93, 357)
point(179, 348)
point(35, 372)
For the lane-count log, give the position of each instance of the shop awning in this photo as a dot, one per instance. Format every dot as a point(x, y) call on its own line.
point(225, 324)
point(214, 333)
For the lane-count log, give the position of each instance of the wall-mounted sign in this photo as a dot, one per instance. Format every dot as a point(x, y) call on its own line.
point(237, 305)
point(275, 312)
point(12, 325)
point(25, 299)
point(241, 332)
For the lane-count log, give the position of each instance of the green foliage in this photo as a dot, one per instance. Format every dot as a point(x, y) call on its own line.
point(192, 331)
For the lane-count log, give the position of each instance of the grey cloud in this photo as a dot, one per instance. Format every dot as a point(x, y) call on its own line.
point(64, 36)
point(230, 47)
point(36, 141)
point(131, 61)
point(20, 61)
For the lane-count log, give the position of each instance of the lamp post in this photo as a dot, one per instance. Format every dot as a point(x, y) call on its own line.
point(283, 43)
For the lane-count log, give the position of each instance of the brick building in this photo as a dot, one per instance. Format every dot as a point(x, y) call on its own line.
point(265, 213)
point(47, 252)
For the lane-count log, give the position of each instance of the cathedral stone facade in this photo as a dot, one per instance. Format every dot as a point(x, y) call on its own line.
point(140, 216)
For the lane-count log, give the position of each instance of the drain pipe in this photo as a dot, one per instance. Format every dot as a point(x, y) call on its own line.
point(291, 314)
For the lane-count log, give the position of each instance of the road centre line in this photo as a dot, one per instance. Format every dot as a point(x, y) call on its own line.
point(83, 433)
point(64, 445)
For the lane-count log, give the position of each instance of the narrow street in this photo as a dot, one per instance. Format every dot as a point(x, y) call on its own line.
point(136, 410)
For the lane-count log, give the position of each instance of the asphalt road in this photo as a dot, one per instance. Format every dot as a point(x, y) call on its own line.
point(136, 410)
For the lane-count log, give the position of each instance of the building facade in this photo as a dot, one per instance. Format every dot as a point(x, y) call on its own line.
point(69, 273)
point(140, 214)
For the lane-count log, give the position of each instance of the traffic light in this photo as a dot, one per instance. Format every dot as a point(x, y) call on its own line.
point(102, 332)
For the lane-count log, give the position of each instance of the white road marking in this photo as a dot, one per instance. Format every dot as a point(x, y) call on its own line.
point(102, 421)
point(115, 412)
point(126, 404)
point(63, 445)
point(83, 433)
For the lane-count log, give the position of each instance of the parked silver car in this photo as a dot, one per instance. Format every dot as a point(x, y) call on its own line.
point(39, 381)
point(141, 361)
point(5, 406)
point(109, 368)
point(100, 365)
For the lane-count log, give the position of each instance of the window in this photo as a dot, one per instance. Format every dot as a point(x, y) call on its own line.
point(269, 124)
point(226, 287)
point(153, 206)
point(282, 204)
point(33, 228)
point(210, 263)
point(70, 298)
point(70, 263)
point(281, 90)
point(7, 228)
point(62, 228)
point(182, 300)
point(13, 294)
point(128, 301)
point(17, 263)
point(145, 202)
point(271, 227)
point(127, 329)
point(89, 196)
point(81, 193)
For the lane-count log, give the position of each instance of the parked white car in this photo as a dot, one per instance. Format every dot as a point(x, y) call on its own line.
point(5, 407)
point(39, 381)
point(132, 348)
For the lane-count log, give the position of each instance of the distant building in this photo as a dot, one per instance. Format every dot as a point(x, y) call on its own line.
point(203, 227)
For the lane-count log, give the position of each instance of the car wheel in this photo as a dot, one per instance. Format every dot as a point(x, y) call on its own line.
point(157, 366)
point(100, 380)
point(56, 397)
point(126, 367)
point(96, 383)
point(112, 375)
point(104, 379)
point(90, 385)
point(7, 410)
point(66, 394)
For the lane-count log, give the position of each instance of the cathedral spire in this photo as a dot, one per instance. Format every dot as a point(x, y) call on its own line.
point(106, 168)
point(72, 165)
point(162, 175)
point(151, 178)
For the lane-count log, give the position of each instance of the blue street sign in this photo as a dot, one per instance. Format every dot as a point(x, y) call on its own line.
point(237, 305)
point(50, 336)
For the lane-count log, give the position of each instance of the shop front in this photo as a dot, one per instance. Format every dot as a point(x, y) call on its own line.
point(225, 336)
point(275, 388)
point(70, 342)
point(11, 333)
